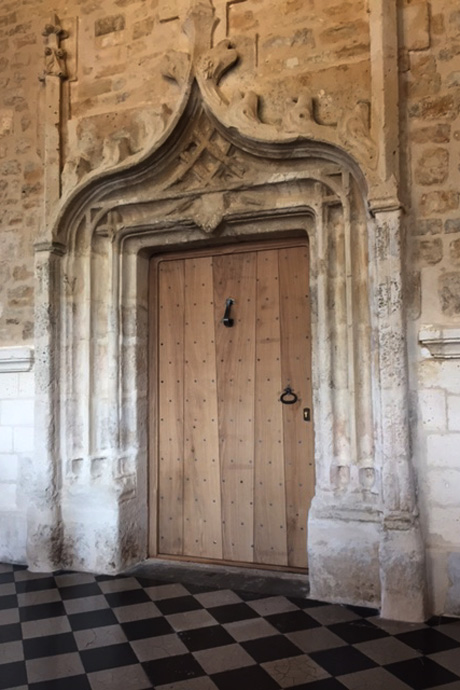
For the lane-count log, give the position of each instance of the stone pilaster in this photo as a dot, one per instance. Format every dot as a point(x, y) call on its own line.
point(402, 560)
point(43, 517)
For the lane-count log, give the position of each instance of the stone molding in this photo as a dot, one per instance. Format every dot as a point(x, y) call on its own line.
point(16, 359)
point(441, 342)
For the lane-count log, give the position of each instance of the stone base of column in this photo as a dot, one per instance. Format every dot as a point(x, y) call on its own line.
point(403, 573)
point(343, 560)
point(44, 540)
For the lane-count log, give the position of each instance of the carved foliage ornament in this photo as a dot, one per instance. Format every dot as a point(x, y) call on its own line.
point(55, 56)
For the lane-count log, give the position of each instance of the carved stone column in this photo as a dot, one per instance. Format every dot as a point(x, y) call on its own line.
point(44, 536)
point(402, 560)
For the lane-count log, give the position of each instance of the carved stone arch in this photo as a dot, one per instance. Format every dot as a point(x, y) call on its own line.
point(206, 180)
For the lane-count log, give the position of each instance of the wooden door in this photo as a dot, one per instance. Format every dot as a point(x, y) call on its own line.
point(232, 467)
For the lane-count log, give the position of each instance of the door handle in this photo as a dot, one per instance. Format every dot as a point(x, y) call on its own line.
point(288, 396)
point(227, 321)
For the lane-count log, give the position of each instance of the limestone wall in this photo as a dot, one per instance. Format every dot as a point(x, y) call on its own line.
point(430, 88)
point(16, 448)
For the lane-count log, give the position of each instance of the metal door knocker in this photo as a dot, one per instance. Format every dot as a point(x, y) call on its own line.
point(288, 397)
point(227, 321)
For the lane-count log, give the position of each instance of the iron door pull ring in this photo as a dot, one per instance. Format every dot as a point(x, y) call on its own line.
point(288, 397)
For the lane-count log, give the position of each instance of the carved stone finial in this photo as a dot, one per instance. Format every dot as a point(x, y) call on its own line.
point(55, 56)
point(354, 131)
point(200, 24)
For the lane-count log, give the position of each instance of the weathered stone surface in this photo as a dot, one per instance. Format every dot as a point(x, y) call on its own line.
point(449, 293)
point(108, 25)
point(432, 166)
point(452, 225)
point(454, 251)
point(439, 202)
point(441, 108)
point(143, 28)
point(453, 80)
point(430, 251)
point(431, 226)
point(425, 80)
point(433, 134)
point(415, 18)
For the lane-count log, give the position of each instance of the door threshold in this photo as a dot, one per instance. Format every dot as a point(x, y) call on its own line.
point(213, 576)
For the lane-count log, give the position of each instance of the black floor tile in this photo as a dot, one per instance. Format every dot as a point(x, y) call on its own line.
point(40, 611)
point(35, 585)
point(205, 638)
point(10, 633)
point(359, 630)
point(50, 645)
point(306, 603)
point(90, 589)
point(6, 577)
point(173, 669)
point(249, 596)
point(247, 678)
point(178, 605)
point(10, 601)
point(326, 684)
point(342, 660)
point(363, 611)
point(231, 613)
point(128, 597)
point(112, 656)
point(421, 673)
point(427, 640)
point(92, 619)
point(271, 648)
point(441, 620)
point(148, 627)
point(292, 621)
point(68, 683)
point(12, 675)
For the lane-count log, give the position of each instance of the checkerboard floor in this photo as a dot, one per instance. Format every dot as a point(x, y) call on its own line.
point(83, 632)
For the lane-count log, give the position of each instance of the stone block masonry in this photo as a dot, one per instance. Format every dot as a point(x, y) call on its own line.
point(16, 448)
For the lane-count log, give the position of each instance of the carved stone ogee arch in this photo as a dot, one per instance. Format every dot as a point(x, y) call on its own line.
point(207, 182)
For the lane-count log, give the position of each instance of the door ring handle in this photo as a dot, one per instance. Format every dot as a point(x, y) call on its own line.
point(288, 397)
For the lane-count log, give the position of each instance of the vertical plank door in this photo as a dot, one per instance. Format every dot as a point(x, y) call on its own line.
point(234, 465)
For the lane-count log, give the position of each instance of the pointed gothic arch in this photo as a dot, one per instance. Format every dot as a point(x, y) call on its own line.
point(207, 179)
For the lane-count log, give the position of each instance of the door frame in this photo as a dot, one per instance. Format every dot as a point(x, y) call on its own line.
point(296, 239)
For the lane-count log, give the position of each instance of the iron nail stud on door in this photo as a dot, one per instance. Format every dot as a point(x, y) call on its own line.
point(227, 321)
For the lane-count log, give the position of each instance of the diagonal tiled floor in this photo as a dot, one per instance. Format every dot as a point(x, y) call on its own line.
point(83, 632)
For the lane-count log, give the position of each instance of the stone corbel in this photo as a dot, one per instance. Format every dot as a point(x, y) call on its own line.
point(440, 342)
